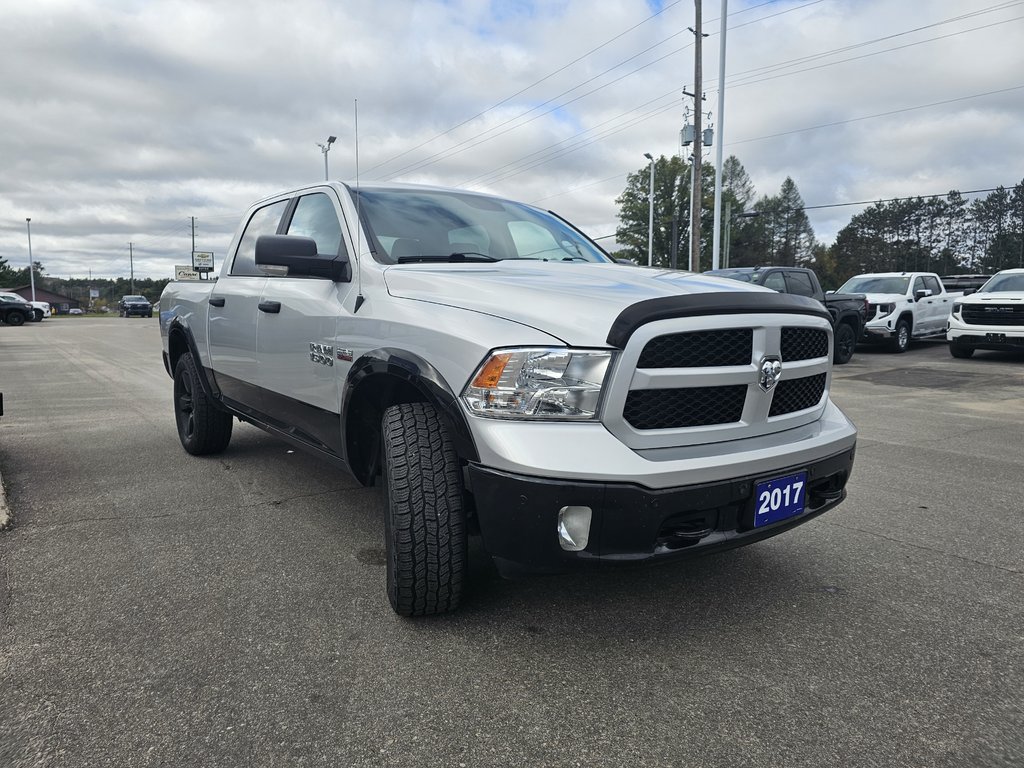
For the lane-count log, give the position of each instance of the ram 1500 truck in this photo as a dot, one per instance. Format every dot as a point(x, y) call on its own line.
point(990, 318)
point(848, 311)
point(497, 372)
point(903, 306)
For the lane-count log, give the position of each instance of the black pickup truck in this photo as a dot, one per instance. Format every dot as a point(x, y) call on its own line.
point(848, 310)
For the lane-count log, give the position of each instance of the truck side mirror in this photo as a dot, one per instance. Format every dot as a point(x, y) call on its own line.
point(300, 257)
point(969, 291)
point(920, 293)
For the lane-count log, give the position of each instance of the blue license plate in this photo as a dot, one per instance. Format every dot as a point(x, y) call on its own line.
point(778, 499)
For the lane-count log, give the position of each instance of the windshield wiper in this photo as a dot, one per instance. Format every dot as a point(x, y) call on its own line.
point(452, 258)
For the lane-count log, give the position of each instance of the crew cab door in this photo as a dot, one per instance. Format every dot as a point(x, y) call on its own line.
point(232, 316)
point(926, 310)
point(297, 324)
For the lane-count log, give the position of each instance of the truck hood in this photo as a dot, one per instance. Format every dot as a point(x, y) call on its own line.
point(885, 298)
point(574, 302)
point(1000, 296)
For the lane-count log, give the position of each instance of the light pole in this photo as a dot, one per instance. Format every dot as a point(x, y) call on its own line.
point(650, 223)
point(325, 148)
point(31, 270)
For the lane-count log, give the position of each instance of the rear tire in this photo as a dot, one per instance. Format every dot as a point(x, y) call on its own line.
point(424, 519)
point(960, 351)
point(901, 340)
point(845, 342)
point(203, 428)
point(14, 318)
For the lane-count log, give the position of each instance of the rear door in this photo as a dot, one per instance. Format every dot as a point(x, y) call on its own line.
point(233, 311)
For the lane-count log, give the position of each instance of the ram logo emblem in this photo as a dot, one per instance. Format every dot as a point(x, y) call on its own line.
point(770, 373)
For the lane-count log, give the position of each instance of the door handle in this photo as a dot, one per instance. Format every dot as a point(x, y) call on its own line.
point(216, 301)
point(272, 307)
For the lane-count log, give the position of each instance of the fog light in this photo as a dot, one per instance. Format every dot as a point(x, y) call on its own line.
point(574, 528)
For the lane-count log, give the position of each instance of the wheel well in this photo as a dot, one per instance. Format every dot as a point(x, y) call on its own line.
point(177, 345)
point(909, 318)
point(373, 395)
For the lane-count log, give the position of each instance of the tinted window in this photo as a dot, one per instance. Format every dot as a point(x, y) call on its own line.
point(775, 281)
point(880, 284)
point(933, 284)
point(800, 283)
point(919, 284)
point(263, 222)
point(315, 217)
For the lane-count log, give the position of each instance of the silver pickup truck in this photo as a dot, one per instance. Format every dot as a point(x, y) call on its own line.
point(497, 372)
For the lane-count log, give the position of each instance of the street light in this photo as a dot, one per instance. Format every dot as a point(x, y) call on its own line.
point(31, 271)
point(650, 223)
point(325, 148)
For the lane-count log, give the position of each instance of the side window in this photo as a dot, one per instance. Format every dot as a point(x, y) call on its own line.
point(315, 217)
point(933, 284)
point(263, 222)
point(775, 281)
point(918, 285)
point(799, 283)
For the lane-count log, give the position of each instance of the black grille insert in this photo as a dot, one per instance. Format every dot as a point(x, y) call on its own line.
point(993, 314)
point(690, 407)
point(793, 395)
point(699, 349)
point(804, 343)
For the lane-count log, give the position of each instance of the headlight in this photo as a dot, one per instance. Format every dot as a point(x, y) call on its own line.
point(885, 309)
point(538, 383)
point(956, 307)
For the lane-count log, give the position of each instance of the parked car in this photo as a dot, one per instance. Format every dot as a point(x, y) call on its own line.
point(134, 305)
point(14, 310)
point(903, 306)
point(990, 318)
point(494, 370)
point(964, 282)
point(848, 311)
point(76, 311)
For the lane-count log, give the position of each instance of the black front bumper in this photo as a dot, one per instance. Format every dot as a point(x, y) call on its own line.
point(997, 342)
point(518, 516)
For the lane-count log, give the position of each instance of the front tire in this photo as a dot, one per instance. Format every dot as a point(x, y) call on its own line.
point(845, 342)
point(37, 316)
point(424, 519)
point(901, 340)
point(960, 351)
point(202, 427)
point(14, 318)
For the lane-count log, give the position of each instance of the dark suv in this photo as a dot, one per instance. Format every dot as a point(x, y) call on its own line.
point(14, 310)
point(134, 305)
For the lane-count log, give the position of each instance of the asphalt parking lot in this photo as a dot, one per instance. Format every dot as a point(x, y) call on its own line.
point(161, 609)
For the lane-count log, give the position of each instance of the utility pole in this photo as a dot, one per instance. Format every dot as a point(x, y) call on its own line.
point(698, 89)
point(131, 263)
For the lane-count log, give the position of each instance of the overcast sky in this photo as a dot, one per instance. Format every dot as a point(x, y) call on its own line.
point(122, 120)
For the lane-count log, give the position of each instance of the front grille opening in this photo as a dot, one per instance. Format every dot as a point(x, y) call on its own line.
point(803, 344)
point(699, 349)
point(792, 395)
point(681, 531)
point(993, 314)
point(691, 407)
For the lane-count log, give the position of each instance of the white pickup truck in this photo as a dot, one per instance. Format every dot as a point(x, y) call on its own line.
point(903, 306)
point(497, 372)
point(990, 318)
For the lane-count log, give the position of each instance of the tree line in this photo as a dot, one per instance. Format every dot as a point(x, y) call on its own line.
point(947, 235)
point(110, 290)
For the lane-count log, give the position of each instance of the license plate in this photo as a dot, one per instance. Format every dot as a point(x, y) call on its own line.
point(778, 499)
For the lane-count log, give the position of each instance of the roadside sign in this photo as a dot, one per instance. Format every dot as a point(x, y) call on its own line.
point(94, 293)
point(202, 261)
point(185, 272)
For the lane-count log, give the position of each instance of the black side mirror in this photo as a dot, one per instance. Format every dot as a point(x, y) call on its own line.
point(630, 262)
point(299, 255)
point(969, 291)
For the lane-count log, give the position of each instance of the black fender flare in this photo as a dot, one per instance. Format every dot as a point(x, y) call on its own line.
point(416, 374)
point(176, 328)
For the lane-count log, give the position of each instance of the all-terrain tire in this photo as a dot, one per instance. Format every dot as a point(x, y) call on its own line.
point(901, 340)
point(203, 428)
point(424, 519)
point(845, 342)
point(960, 351)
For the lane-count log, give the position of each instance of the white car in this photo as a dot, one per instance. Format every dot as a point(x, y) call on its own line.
point(990, 318)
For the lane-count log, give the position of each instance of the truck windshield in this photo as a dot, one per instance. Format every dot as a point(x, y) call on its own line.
point(882, 284)
point(424, 225)
point(1011, 282)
